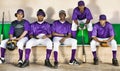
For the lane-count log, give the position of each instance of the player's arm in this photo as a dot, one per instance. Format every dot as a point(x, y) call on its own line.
point(10, 36)
point(23, 35)
point(110, 38)
point(96, 39)
point(76, 22)
point(49, 36)
point(57, 34)
point(87, 21)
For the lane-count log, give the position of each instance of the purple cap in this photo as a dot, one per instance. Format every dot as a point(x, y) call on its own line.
point(81, 3)
point(41, 12)
point(102, 17)
point(19, 11)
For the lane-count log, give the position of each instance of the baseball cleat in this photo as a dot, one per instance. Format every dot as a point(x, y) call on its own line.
point(74, 62)
point(47, 63)
point(96, 62)
point(115, 62)
point(2, 60)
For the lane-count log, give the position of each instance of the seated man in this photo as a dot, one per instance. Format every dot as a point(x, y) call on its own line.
point(61, 30)
point(19, 32)
point(103, 32)
point(40, 34)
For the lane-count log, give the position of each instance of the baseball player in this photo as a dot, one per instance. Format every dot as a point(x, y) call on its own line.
point(40, 34)
point(18, 31)
point(103, 33)
point(61, 30)
point(81, 15)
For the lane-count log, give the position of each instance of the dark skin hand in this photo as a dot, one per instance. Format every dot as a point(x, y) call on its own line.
point(64, 38)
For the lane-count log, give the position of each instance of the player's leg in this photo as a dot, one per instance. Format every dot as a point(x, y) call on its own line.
point(114, 51)
point(3, 50)
point(74, 29)
point(20, 45)
point(93, 45)
point(56, 43)
point(32, 42)
point(90, 28)
point(48, 43)
point(73, 43)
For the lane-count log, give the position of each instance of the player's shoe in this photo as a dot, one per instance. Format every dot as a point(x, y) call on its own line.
point(20, 62)
point(2, 60)
point(47, 63)
point(96, 61)
point(25, 64)
point(115, 62)
point(55, 65)
point(74, 62)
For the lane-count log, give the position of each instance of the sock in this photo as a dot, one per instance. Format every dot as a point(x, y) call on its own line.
point(94, 54)
point(3, 52)
point(73, 54)
point(55, 56)
point(114, 54)
point(48, 54)
point(20, 54)
point(27, 54)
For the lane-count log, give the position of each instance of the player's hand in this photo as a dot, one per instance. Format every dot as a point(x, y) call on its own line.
point(62, 40)
point(44, 37)
point(17, 39)
point(105, 41)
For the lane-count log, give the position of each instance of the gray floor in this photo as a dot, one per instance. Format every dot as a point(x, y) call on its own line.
point(62, 67)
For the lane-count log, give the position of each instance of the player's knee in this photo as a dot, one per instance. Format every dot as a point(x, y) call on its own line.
point(113, 42)
point(74, 41)
point(49, 43)
point(20, 44)
point(55, 49)
point(29, 44)
point(93, 42)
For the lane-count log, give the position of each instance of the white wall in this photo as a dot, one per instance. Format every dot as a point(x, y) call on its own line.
point(109, 7)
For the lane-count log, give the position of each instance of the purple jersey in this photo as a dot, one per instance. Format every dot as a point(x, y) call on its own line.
point(18, 24)
point(103, 32)
point(43, 28)
point(61, 28)
point(77, 15)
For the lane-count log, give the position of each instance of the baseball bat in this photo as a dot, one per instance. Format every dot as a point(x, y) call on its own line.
point(83, 47)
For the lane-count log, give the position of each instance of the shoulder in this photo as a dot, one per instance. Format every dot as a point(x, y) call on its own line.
point(96, 24)
point(68, 23)
point(56, 21)
point(13, 21)
point(109, 24)
point(87, 9)
point(76, 9)
point(26, 21)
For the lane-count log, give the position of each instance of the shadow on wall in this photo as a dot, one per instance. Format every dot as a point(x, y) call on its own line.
point(49, 14)
point(69, 12)
point(115, 18)
point(28, 14)
point(95, 10)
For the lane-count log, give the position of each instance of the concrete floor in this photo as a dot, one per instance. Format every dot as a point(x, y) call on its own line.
point(62, 67)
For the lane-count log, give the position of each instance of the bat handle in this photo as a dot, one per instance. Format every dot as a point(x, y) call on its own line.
point(84, 59)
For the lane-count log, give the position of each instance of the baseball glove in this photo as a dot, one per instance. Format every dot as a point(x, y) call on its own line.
point(104, 44)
